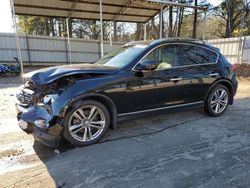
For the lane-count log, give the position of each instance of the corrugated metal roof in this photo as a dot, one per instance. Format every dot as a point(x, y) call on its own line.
point(117, 10)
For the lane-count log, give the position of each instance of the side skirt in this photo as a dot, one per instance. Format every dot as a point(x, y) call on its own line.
point(141, 112)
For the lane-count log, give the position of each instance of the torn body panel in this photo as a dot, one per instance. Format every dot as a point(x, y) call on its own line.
point(48, 75)
point(43, 100)
point(27, 121)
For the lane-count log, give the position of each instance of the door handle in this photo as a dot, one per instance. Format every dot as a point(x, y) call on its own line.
point(175, 79)
point(214, 74)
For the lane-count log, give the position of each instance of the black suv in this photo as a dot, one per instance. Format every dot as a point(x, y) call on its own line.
point(80, 102)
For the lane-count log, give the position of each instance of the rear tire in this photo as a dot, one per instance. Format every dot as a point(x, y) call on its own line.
point(86, 123)
point(217, 101)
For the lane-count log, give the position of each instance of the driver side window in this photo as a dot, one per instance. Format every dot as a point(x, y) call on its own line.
point(164, 57)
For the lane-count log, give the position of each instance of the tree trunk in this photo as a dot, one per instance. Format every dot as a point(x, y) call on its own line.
point(47, 30)
point(70, 27)
point(52, 27)
point(195, 21)
point(59, 27)
point(180, 21)
point(65, 27)
point(163, 34)
point(154, 32)
point(230, 13)
point(174, 29)
point(115, 31)
point(138, 31)
point(95, 32)
point(170, 22)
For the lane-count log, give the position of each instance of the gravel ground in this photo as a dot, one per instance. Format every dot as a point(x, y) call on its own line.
point(173, 149)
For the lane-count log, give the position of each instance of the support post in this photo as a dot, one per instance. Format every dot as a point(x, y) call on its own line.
point(110, 33)
point(27, 40)
point(204, 26)
point(17, 37)
point(69, 45)
point(101, 45)
point(161, 21)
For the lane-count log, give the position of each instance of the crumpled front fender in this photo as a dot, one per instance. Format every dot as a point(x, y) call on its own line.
point(80, 88)
point(85, 89)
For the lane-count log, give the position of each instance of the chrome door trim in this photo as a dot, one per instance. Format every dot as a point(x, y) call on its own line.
point(176, 79)
point(214, 74)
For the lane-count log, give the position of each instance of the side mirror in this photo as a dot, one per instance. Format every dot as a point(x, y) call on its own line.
point(147, 65)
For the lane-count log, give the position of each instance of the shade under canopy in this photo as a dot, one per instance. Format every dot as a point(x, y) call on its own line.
point(113, 10)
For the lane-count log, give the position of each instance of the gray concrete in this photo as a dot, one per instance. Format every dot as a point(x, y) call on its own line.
point(197, 151)
point(173, 149)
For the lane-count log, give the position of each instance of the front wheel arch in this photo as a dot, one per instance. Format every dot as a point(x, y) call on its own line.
point(106, 101)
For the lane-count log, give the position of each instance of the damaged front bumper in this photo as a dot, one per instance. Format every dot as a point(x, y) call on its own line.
point(36, 120)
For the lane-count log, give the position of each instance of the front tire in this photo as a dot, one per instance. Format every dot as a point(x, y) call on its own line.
point(217, 101)
point(86, 123)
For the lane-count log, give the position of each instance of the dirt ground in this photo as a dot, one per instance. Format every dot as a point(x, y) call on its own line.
point(173, 149)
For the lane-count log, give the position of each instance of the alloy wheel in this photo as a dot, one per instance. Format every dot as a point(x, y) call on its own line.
point(86, 123)
point(219, 100)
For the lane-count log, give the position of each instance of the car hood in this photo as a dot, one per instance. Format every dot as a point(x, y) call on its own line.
point(47, 75)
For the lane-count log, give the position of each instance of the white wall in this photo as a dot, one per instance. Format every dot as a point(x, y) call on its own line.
point(53, 50)
point(235, 49)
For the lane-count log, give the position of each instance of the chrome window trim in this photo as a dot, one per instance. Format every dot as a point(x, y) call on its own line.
point(218, 56)
point(160, 108)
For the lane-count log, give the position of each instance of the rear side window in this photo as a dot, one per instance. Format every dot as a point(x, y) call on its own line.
point(195, 55)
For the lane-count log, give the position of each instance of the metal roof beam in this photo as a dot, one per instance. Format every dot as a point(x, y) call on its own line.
point(72, 8)
point(51, 16)
point(86, 2)
point(168, 3)
point(78, 10)
point(124, 7)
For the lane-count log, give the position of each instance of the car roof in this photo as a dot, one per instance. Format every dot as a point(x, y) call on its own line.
point(173, 40)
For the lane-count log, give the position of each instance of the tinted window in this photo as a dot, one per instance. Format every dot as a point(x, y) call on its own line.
point(165, 56)
point(192, 55)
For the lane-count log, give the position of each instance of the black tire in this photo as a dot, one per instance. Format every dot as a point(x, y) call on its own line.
point(208, 108)
point(81, 104)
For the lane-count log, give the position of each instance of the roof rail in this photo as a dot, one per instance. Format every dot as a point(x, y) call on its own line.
point(137, 42)
point(187, 39)
point(142, 42)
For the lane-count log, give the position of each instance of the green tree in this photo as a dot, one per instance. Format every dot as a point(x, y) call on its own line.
point(232, 12)
point(34, 25)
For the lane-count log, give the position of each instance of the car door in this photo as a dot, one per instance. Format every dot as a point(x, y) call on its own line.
point(158, 88)
point(199, 71)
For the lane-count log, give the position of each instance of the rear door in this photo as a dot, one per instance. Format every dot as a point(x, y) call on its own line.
point(199, 71)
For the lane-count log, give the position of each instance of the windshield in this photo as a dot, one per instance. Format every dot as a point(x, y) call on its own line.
point(121, 57)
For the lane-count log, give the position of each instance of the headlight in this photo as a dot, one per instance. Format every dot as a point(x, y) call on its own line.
point(41, 123)
point(49, 98)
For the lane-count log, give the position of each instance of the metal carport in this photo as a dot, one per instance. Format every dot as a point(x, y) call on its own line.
point(140, 11)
